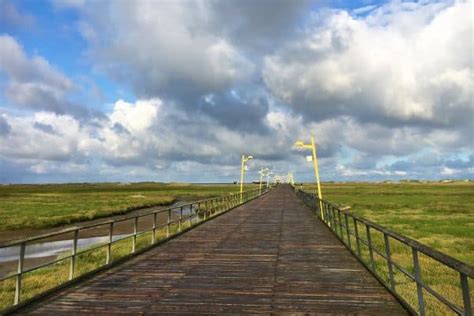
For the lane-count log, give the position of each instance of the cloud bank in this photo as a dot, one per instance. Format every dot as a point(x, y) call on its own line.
point(386, 89)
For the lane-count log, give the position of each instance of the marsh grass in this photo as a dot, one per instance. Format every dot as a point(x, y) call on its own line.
point(52, 205)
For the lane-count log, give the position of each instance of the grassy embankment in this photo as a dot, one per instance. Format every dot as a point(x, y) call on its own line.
point(436, 214)
point(46, 206)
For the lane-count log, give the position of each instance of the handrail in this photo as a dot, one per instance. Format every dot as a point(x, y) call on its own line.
point(332, 214)
point(197, 212)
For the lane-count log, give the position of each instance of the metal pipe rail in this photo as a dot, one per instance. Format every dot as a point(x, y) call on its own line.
point(338, 222)
point(195, 212)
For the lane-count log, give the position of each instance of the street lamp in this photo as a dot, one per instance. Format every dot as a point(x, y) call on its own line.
point(262, 172)
point(312, 146)
point(242, 171)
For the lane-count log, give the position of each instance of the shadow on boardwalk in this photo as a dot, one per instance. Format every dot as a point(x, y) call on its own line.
point(270, 255)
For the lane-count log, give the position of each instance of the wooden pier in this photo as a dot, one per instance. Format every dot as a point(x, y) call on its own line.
point(271, 255)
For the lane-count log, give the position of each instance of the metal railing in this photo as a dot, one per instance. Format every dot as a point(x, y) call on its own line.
point(340, 222)
point(177, 219)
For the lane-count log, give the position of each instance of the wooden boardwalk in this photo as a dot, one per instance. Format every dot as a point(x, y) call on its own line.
point(268, 256)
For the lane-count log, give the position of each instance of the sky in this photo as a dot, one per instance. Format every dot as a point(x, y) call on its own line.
point(96, 91)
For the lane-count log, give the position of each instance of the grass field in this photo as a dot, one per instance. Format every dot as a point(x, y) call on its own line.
point(45, 206)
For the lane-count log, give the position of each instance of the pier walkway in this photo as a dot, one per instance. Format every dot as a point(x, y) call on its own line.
point(270, 255)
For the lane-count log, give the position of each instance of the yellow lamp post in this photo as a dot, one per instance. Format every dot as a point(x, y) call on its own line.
point(262, 172)
point(242, 171)
point(312, 146)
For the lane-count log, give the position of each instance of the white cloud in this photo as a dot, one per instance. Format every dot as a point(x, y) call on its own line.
point(136, 117)
point(400, 64)
point(59, 143)
point(446, 171)
point(163, 47)
point(32, 82)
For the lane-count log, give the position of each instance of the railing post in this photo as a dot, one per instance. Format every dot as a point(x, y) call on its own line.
point(190, 214)
point(109, 246)
point(331, 217)
point(199, 212)
point(340, 223)
point(388, 253)
point(348, 231)
point(371, 252)
point(134, 239)
point(466, 295)
point(356, 231)
point(180, 218)
point(72, 263)
point(419, 287)
point(327, 217)
point(153, 236)
point(168, 223)
point(19, 273)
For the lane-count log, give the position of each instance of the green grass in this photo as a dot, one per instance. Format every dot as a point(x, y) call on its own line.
point(45, 206)
point(436, 214)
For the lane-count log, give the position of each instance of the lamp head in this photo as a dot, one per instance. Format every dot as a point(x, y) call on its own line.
point(249, 157)
point(299, 143)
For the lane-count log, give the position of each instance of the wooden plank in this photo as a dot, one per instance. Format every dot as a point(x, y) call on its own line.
point(270, 255)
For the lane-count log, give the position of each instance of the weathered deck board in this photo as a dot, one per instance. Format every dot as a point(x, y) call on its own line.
point(269, 256)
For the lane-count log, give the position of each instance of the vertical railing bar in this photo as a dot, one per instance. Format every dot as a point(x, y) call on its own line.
point(419, 287)
point(190, 214)
point(168, 221)
point(348, 231)
point(466, 296)
point(19, 276)
point(369, 242)
point(72, 263)
point(327, 217)
point(388, 253)
point(356, 231)
point(180, 218)
point(328, 210)
point(334, 221)
point(109, 245)
point(199, 212)
point(134, 239)
point(153, 236)
point(340, 223)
